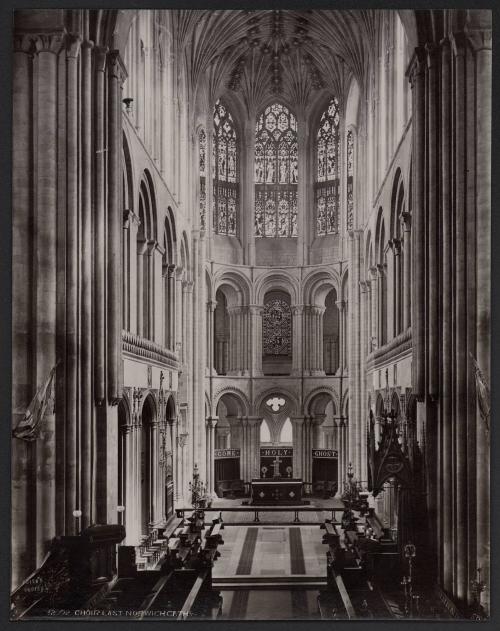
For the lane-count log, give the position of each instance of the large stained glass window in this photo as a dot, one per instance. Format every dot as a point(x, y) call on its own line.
point(277, 327)
point(225, 172)
point(327, 171)
point(202, 141)
point(350, 184)
point(276, 173)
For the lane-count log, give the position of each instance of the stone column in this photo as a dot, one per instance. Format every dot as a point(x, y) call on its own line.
point(390, 291)
point(342, 334)
point(179, 301)
point(171, 306)
point(460, 273)
point(71, 313)
point(211, 423)
point(374, 305)
point(141, 250)
point(256, 327)
point(253, 442)
point(22, 387)
point(233, 340)
point(100, 220)
point(298, 339)
point(149, 291)
point(406, 221)
point(181, 462)
point(417, 78)
point(129, 480)
point(246, 340)
point(482, 44)
point(381, 303)
point(298, 446)
point(44, 231)
point(431, 223)
point(211, 305)
point(396, 248)
point(116, 76)
point(154, 511)
point(86, 255)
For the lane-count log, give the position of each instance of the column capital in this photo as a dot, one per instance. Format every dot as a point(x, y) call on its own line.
point(141, 246)
point(100, 54)
point(364, 288)
point(254, 420)
point(396, 246)
point(187, 286)
point(23, 43)
point(317, 310)
point(73, 44)
point(458, 43)
point(130, 217)
point(432, 51)
point(297, 310)
point(406, 220)
point(211, 305)
point(297, 420)
point(171, 267)
point(234, 309)
point(480, 39)
point(341, 304)
point(182, 439)
point(211, 422)
point(256, 309)
point(116, 66)
point(374, 272)
point(417, 64)
point(317, 419)
point(48, 42)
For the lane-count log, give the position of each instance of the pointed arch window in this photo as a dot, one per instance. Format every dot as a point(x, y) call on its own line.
point(350, 180)
point(225, 172)
point(327, 171)
point(276, 173)
point(202, 143)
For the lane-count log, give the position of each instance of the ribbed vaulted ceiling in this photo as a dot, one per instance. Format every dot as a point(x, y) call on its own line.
point(261, 53)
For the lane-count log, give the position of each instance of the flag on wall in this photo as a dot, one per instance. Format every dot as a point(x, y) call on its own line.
point(28, 427)
point(483, 395)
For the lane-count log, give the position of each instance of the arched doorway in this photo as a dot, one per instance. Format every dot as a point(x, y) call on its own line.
point(276, 437)
point(228, 444)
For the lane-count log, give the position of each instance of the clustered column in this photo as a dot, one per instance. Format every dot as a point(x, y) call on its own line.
point(450, 327)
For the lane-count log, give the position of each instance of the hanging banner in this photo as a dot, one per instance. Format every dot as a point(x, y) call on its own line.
point(226, 453)
point(271, 452)
point(325, 453)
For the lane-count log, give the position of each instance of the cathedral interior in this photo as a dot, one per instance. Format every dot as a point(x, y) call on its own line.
point(251, 313)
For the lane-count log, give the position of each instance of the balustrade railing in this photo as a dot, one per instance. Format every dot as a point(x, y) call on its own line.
point(146, 349)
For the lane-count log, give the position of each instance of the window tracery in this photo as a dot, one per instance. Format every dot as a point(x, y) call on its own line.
point(276, 173)
point(350, 175)
point(202, 141)
point(225, 172)
point(277, 327)
point(327, 171)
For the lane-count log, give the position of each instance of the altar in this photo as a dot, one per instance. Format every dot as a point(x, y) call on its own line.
point(276, 491)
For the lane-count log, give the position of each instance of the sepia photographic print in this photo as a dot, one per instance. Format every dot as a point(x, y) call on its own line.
point(251, 314)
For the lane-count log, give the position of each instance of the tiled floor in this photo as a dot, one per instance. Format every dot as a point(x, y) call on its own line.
point(272, 554)
point(269, 550)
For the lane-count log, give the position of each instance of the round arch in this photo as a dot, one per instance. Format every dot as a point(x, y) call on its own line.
point(276, 281)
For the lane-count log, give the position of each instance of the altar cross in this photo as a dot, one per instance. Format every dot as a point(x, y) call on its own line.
point(276, 466)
